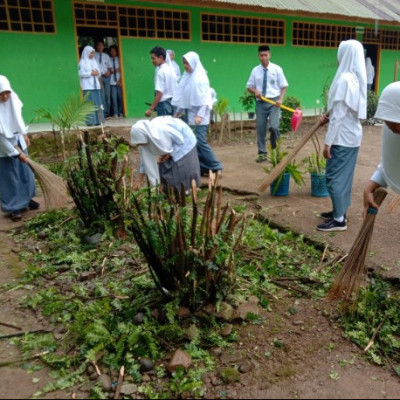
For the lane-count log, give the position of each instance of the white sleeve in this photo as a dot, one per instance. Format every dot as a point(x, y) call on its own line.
point(336, 116)
point(251, 83)
point(84, 73)
point(160, 81)
point(282, 79)
point(378, 178)
point(7, 148)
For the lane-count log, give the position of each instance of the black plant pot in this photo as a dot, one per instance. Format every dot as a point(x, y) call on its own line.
point(250, 115)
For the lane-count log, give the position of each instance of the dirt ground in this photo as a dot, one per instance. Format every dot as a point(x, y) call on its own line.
point(312, 360)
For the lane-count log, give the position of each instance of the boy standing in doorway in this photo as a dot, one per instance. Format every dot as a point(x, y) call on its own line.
point(267, 80)
point(116, 84)
point(104, 62)
point(165, 83)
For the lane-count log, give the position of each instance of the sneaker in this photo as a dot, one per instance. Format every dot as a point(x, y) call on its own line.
point(332, 225)
point(16, 216)
point(261, 158)
point(33, 205)
point(329, 215)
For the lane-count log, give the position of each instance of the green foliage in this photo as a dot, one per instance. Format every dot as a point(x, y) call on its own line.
point(372, 105)
point(248, 101)
point(315, 164)
point(325, 92)
point(221, 107)
point(286, 116)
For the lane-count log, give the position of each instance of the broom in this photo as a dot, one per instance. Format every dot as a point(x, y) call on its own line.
point(53, 187)
point(286, 160)
point(353, 272)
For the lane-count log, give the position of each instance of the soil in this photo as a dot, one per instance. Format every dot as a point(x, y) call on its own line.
point(296, 354)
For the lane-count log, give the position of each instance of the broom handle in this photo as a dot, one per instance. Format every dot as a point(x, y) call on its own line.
point(274, 102)
point(286, 160)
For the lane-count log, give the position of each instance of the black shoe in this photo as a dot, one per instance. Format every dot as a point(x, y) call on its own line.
point(261, 158)
point(332, 225)
point(33, 205)
point(329, 215)
point(16, 216)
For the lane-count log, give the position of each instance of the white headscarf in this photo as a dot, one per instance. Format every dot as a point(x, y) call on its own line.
point(194, 87)
point(174, 64)
point(89, 64)
point(11, 122)
point(154, 142)
point(389, 110)
point(350, 82)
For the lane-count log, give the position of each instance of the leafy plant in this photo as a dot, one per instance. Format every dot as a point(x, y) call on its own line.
point(71, 113)
point(316, 162)
point(372, 104)
point(286, 116)
point(325, 92)
point(221, 107)
point(248, 101)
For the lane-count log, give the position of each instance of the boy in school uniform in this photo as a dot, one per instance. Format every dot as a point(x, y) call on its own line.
point(267, 80)
point(165, 83)
point(103, 59)
point(115, 83)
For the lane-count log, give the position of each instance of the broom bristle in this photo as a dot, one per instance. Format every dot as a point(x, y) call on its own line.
point(347, 284)
point(53, 187)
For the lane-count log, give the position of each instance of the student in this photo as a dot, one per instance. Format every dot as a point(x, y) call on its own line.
point(267, 80)
point(347, 104)
point(103, 59)
point(193, 97)
point(115, 83)
point(17, 183)
point(174, 143)
point(165, 83)
point(370, 72)
point(175, 65)
point(388, 171)
point(89, 74)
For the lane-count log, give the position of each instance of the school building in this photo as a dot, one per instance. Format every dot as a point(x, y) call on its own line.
point(41, 39)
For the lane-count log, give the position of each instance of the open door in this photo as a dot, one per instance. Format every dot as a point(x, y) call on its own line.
point(372, 51)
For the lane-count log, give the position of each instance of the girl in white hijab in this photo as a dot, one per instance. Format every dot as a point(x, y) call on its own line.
point(347, 104)
point(17, 183)
point(388, 171)
point(174, 64)
point(89, 74)
point(193, 97)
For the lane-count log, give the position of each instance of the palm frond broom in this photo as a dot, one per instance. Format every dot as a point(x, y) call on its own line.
point(347, 284)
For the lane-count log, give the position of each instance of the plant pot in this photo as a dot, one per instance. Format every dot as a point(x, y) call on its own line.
point(283, 188)
point(318, 185)
point(250, 115)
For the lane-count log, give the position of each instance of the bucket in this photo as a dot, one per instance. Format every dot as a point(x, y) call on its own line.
point(283, 188)
point(318, 185)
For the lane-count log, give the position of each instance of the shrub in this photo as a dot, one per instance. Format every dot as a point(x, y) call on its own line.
point(372, 104)
point(286, 116)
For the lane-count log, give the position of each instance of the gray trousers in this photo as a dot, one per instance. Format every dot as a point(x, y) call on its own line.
point(263, 111)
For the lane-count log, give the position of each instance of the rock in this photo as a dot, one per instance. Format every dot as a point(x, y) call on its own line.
point(93, 239)
point(235, 357)
point(155, 313)
point(93, 376)
point(42, 235)
point(209, 309)
point(225, 312)
point(89, 369)
point(245, 367)
point(87, 275)
point(129, 388)
point(138, 318)
point(244, 309)
point(192, 332)
point(146, 378)
point(63, 267)
point(230, 375)
point(326, 313)
point(59, 332)
point(299, 322)
point(226, 330)
point(179, 359)
point(146, 365)
point(105, 381)
point(119, 253)
point(216, 351)
point(215, 381)
point(183, 312)
point(253, 299)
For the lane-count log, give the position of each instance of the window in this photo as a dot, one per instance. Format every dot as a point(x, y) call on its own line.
point(388, 39)
point(238, 29)
point(154, 23)
point(95, 14)
point(320, 35)
point(27, 16)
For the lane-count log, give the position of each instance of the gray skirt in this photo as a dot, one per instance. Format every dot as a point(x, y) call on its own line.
point(181, 172)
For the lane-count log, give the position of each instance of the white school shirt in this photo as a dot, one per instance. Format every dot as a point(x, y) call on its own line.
point(276, 80)
point(344, 127)
point(87, 81)
point(165, 81)
point(114, 78)
point(105, 63)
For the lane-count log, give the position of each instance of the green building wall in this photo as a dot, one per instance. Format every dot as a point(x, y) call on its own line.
point(43, 68)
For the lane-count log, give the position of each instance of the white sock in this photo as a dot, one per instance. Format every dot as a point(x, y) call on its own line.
point(339, 219)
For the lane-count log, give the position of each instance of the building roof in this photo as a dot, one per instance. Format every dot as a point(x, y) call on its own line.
point(381, 10)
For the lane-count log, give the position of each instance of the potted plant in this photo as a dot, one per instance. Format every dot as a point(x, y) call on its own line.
point(281, 185)
point(248, 102)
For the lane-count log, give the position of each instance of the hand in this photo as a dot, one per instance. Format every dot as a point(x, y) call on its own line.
point(257, 94)
point(95, 72)
point(22, 157)
point(176, 115)
point(327, 151)
point(368, 196)
point(164, 158)
point(107, 74)
point(324, 119)
point(197, 120)
point(278, 103)
point(27, 140)
point(119, 83)
point(148, 112)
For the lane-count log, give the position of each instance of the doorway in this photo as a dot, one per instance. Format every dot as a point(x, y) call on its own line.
point(372, 51)
point(90, 36)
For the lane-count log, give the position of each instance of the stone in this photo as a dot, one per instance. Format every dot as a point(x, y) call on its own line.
point(87, 275)
point(93, 239)
point(105, 381)
point(90, 369)
point(209, 309)
point(42, 235)
point(230, 375)
point(128, 389)
point(253, 299)
point(216, 351)
point(93, 376)
point(246, 367)
point(183, 312)
point(179, 359)
point(229, 358)
point(225, 312)
point(146, 378)
point(299, 322)
point(192, 332)
point(146, 365)
point(226, 330)
point(244, 309)
point(155, 313)
point(215, 381)
point(138, 318)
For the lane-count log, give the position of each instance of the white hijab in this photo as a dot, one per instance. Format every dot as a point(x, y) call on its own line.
point(11, 122)
point(350, 82)
point(389, 110)
point(194, 87)
point(174, 64)
point(154, 142)
point(87, 63)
